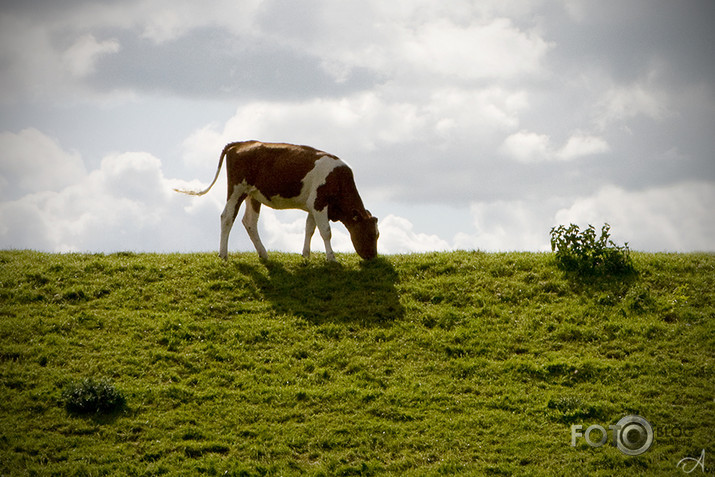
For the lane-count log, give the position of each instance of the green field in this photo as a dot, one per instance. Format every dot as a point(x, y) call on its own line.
point(462, 363)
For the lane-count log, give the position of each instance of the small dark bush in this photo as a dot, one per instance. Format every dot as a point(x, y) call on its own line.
point(583, 253)
point(92, 397)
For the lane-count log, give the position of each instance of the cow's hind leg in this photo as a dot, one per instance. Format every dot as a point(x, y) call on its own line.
point(250, 221)
point(228, 216)
point(309, 230)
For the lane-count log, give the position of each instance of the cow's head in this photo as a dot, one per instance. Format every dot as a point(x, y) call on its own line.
point(364, 234)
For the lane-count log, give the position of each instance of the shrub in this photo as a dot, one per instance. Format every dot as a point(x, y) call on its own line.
point(92, 397)
point(583, 253)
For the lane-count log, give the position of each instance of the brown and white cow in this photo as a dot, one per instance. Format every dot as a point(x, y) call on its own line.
point(285, 176)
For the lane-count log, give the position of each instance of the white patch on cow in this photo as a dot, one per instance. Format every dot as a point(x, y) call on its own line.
point(315, 178)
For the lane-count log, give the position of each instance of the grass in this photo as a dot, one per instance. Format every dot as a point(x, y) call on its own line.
point(430, 364)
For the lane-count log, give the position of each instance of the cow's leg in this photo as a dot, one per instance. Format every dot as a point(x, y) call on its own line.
point(228, 216)
point(309, 230)
point(250, 221)
point(321, 220)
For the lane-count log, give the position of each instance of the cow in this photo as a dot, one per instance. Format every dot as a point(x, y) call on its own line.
point(286, 176)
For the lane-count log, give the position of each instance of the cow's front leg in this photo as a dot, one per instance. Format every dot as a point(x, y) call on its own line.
point(250, 221)
point(321, 220)
point(309, 230)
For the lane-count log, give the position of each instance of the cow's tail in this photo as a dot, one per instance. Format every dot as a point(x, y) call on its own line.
point(218, 170)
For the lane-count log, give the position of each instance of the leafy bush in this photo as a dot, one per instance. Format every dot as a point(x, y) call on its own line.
point(92, 397)
point(583, 253)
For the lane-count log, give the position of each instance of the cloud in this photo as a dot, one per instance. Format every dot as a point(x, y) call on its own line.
point(622, 102)
point(397, 148)
point(488, 50)
point(526, 146)
point(125, 204)
point(51, 52)
point(284, 230)
point(674, 218)
point(81, 57)
point(251, 48)
point(529, 147)
point(33, 162)
point(579, 145)
point(397, 235)
point(409, 42)
point(360, 122)
point(508, 225)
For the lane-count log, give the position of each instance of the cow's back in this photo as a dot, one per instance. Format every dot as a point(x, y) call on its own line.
point(273, 169)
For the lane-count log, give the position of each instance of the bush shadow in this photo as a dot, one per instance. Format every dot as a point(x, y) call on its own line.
point(331, 292)
point(585, 284)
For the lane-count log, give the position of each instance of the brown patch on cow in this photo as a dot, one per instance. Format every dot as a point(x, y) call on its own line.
point(340, 195)
point(364, 234)
point(275, 169)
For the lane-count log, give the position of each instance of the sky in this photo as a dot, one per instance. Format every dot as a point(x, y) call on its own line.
point(470, 125)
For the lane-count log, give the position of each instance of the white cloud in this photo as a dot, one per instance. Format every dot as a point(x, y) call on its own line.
point(525, 146)
point(125, 204)
point(579, 145)
point(668, 218)
point(675, 217)
point(508, 225)
point(80, 58)
point(359, 121)
point(397, 235)
point(411, 41)
point(530, 147)
point(46, 51)
point(488, 50)
point(284, 230)
point(365, 123)
point(166, 20)
point(358, 124)
point(33, 162)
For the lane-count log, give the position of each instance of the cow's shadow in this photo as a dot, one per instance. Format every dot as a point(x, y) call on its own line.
point(322, 292)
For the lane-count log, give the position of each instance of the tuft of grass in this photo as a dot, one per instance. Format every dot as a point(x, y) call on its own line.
point(439, 363)
point(90, 396)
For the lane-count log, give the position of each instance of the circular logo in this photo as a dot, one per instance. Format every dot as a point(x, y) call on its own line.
point(635, 435)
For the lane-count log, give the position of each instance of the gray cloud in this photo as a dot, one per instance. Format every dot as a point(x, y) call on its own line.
point(211, 63)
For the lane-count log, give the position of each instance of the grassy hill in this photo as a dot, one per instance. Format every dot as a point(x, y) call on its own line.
point(430, 364)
